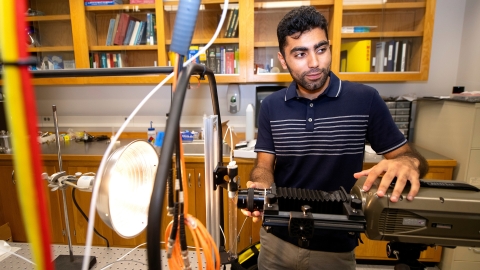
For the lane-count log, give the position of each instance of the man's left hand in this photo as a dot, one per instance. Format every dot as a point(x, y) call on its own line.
point(405, 168)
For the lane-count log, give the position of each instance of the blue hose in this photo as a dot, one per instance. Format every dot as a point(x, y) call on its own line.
point(184, 26)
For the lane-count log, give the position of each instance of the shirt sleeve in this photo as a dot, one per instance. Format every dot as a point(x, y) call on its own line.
point(383, 134)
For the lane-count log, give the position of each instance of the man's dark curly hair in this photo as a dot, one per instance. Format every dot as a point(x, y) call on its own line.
point(298, 21)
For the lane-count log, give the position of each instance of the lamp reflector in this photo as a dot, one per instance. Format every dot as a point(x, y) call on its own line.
point(126, 187)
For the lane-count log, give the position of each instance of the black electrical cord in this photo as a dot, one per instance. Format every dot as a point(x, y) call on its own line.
point(165, 161)
point(85, 216)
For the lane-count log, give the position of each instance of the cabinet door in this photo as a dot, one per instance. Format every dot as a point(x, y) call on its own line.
point(386, 40)
point(263, 63)
point(123, 35)
point(11, 211)
point(55, 205)
point(11, 204)
point(225, 55)
point(49, 34)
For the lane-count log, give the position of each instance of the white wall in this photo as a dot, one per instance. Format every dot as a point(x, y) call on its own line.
point(99, 108)
point(468, 74)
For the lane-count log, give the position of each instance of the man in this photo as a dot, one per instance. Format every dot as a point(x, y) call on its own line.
point(312, 135)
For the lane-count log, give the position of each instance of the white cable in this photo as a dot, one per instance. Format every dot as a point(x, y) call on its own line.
point(241, 228)
point(224, 237)
point(110, 264)
point(96, 187)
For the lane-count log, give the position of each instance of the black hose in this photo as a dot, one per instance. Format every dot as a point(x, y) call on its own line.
point(165, 161)
point(85, 216)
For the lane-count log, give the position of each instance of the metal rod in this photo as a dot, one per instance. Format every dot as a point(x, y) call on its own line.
point(96, 72)
point(62, 188)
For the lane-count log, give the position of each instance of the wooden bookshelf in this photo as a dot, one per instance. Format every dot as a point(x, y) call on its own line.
point(84, 31)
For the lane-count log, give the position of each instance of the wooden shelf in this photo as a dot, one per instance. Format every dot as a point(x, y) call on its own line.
point(48, 18)
point(381, 76)
point(257, 41)
point(124, 48)
point(411, 5)
point(383, 34)
point(51, 49)
point(132, 7)
point(206, 40)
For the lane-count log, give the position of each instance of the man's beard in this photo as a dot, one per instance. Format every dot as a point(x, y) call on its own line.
point(315, 85)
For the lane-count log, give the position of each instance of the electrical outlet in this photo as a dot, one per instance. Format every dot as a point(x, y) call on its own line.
point(46, 121)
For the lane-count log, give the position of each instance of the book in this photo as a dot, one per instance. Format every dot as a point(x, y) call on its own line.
point(128, 35)
point(203, 56)
point(121, 29)
point(211, 59)
point(109, 60)
point(379, 56)
point(237, 58)
point(192, 50)
point(139, 33)
point(117, 20)
point(395, 55)
point(390, 51)
point(103, 60)
point(103, 3)
point(218, 60)
point(111, 26)
point(96, 60)
point(119, 60)
point(357, 56)
point(222, 60)
point(154, 29)
point(232, 24)
point(149, 27)
point(228, 22)
point(235, 28)
point(406, 53)
point(143, 38)
point(115, 61)
point(229, 59)
point(134, 33)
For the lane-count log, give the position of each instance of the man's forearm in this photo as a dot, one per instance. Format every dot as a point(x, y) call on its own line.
point(262, 176)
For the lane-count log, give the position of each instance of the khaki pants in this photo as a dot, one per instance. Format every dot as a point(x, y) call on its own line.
point(278, 254)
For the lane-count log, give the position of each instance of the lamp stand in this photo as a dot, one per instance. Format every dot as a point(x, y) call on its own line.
point(70, 261)
point(64, 262)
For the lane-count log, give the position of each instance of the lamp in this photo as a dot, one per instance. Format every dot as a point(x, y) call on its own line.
point(126, 187)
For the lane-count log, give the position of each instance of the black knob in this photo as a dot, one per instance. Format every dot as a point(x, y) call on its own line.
point(356, 204)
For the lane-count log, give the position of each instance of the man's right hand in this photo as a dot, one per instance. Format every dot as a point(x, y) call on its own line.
point(256, 215)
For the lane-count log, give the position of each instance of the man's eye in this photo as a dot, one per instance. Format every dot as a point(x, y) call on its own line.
point(298, 55)
point(321, 49)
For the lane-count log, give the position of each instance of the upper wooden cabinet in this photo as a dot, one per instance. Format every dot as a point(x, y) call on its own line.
point(77, 33)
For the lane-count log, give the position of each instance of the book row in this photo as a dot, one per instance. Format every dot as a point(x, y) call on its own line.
point(106, 60)
point(231, 25)
point(128, 30)
point(223, 59)
point(381, 56)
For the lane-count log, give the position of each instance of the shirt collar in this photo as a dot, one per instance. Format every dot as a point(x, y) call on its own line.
point(333, 89)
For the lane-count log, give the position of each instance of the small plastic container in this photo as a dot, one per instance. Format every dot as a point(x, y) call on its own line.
point(151, 134)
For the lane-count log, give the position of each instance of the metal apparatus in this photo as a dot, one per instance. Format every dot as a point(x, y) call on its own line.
point(443, 213)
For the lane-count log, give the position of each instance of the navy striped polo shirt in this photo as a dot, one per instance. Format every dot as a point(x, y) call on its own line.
point(319, 144)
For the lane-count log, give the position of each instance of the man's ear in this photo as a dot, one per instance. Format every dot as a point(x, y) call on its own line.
point(282, 60)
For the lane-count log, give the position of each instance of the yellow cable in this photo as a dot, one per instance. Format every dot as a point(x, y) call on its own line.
point(18, 126)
